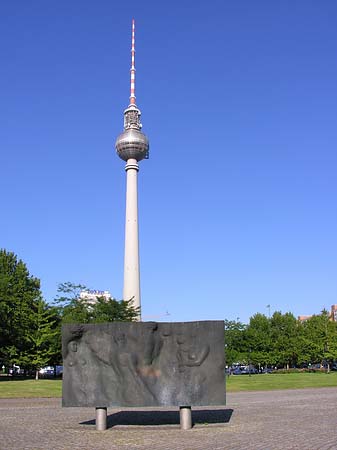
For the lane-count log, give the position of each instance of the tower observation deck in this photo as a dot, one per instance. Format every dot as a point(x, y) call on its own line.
point(132, 143)
point(132, 146)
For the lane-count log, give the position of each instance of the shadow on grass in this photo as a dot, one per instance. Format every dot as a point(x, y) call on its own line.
point(200, 416)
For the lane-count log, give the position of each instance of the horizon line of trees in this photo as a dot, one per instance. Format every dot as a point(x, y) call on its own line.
point(282, 340)
point(30, 328)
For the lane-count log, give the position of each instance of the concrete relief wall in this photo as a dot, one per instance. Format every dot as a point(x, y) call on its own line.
point(144, 364)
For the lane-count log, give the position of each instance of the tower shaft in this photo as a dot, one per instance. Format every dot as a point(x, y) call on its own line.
point(131, 288)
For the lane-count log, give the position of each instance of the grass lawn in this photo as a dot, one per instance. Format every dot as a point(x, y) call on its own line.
point(235, 383)
point(272, 381)
point(30, 388)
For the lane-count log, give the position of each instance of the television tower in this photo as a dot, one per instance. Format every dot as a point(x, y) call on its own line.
point(132, 146)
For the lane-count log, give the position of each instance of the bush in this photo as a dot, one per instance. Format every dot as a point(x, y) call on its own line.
point(303, 370)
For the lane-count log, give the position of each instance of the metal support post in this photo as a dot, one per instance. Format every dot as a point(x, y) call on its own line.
point(101, 419)
point(185, 417)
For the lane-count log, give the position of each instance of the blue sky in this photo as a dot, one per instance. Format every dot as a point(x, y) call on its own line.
point(237, 202)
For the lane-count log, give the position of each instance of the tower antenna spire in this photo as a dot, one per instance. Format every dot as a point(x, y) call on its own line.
point(133, 69)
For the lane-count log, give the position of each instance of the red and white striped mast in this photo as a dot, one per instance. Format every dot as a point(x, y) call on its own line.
point(132, 146)
point(133, 68)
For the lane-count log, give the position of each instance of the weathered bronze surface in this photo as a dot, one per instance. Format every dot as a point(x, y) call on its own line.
point(144, 364)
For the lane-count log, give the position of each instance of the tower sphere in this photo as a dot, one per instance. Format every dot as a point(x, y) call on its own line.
point(132, 144)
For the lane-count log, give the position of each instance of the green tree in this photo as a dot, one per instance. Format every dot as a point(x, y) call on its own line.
point(19, 291)
point(330, 348)
point(259, 341)
point(55, 341)
point(235, 341)
point(112, 310)
point(73, 309)
point(319, 339)
point(284, 332)
point(42, 336)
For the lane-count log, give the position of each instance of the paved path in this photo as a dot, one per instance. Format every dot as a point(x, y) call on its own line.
point(292, 419)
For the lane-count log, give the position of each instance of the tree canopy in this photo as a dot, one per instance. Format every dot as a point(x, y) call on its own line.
point(74, 309)
point(282, 340)
point(19, 294)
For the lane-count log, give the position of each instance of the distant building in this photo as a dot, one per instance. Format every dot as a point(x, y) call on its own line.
point(333, 315)
point(90, 296)
point(303, 318)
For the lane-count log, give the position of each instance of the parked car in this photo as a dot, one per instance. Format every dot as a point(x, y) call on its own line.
point(51, 371)
point(249, 370)
point(47, 371)
point(244, 370)
point(316, 367)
